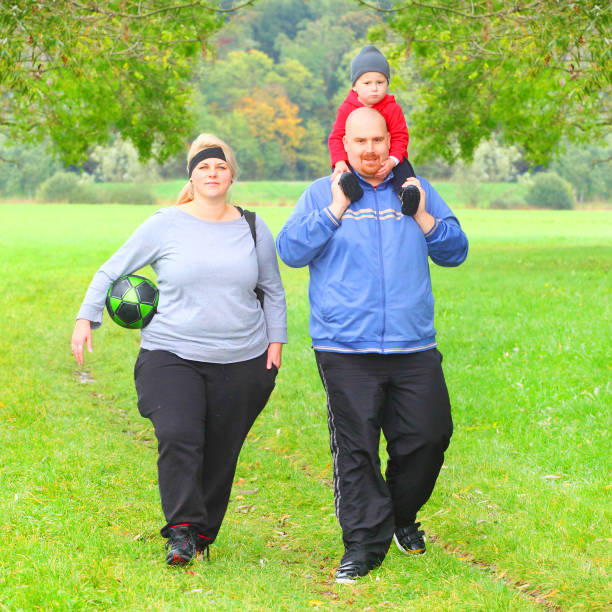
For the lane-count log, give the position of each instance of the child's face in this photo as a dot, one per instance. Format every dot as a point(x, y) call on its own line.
point(371, 88)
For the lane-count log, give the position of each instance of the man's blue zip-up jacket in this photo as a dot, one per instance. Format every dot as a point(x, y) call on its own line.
point(370, 289)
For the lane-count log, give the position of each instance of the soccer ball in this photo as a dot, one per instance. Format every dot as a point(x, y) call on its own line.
point(132, 300)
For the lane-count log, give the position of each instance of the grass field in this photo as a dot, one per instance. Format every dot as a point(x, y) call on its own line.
point(519, 520)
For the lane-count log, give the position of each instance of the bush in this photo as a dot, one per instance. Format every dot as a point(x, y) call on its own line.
point(61, 187)
point(118, 162)
point(70, 188)
point(549, 190)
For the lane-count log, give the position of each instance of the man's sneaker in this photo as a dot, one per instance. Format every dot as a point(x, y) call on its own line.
point(410, 540)
point(181, 545)
point(356, 563)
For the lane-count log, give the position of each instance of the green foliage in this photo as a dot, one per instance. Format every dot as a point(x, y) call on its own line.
point(492, 162)
point(72, 73)
point(260, 26)
point(69, 187)
point(538, 72)
point(23, 168)
point(253, 104)
point(271, 90)
point(64, 187)
point(588, 168)
point(549, 190)
point(118, 162)
point(331, 40)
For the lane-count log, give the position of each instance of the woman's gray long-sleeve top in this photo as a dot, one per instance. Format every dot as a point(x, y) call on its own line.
point(206, 275)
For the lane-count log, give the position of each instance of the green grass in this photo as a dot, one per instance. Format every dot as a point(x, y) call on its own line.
point(519, 519)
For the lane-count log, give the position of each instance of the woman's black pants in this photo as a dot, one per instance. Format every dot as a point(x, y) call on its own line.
point(201, 413)
point(406, 397)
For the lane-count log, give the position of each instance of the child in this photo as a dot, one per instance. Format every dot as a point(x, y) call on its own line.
point(370, 77)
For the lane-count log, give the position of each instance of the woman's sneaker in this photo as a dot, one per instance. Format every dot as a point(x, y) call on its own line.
point(181, 545)
point(410, 540)
point(202, 543)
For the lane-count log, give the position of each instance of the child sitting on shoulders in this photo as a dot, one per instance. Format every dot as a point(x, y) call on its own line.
point(370, 76)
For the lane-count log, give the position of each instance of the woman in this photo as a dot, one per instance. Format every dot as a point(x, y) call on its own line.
point(210, 356)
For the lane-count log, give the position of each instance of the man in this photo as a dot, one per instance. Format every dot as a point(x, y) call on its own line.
point(372, 330)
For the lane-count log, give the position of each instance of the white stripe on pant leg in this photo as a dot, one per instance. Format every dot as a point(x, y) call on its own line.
point(333, 444)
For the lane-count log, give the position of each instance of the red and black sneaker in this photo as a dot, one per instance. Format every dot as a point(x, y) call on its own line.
point(181, 545)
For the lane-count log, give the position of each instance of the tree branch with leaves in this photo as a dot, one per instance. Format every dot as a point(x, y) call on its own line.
point(539, 72)
point(74, 72)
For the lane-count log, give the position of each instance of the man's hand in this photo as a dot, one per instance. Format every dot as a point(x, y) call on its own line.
point(339, 202)
point(385, 168)
point(339, 168)
point(424, 220)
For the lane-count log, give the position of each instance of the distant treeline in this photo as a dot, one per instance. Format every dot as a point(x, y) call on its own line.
point(279, 71)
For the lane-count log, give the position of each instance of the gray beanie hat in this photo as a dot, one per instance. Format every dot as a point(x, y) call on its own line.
point(369, 59)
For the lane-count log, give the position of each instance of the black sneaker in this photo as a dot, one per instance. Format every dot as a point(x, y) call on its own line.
point(356, 563)
point(410, 540)
point(181, 546)
point(410, 197)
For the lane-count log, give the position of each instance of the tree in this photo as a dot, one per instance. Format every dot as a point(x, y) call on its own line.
point(30, 168)
point(265, 21)
point(588, 169)
point(251, 102)
point(536, 70)
point(74, 71)
point(223, 81)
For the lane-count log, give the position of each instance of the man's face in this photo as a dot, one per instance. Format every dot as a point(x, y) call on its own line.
point(366, 142)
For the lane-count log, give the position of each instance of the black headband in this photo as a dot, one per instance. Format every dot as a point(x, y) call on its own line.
point(216, 152)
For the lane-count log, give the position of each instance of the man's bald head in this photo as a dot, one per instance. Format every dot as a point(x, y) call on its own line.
point(362, 117)
point(366, 141)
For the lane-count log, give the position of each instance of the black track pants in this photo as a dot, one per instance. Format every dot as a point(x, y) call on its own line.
point(406, 397)
point(202, 413)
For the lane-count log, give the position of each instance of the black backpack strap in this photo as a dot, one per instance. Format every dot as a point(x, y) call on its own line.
point(250, 217)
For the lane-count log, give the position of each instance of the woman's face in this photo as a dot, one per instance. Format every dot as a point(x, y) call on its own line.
point(211, 178)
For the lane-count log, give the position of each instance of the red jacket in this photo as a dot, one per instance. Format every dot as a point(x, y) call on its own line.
point(388, 108)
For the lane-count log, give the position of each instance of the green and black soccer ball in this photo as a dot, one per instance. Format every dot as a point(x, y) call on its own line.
point(132, 301)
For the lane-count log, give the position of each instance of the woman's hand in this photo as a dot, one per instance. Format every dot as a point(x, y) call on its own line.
point(275, 350)
point(82, 335)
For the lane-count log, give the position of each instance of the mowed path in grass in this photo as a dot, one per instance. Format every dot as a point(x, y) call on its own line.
point(520, 516)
